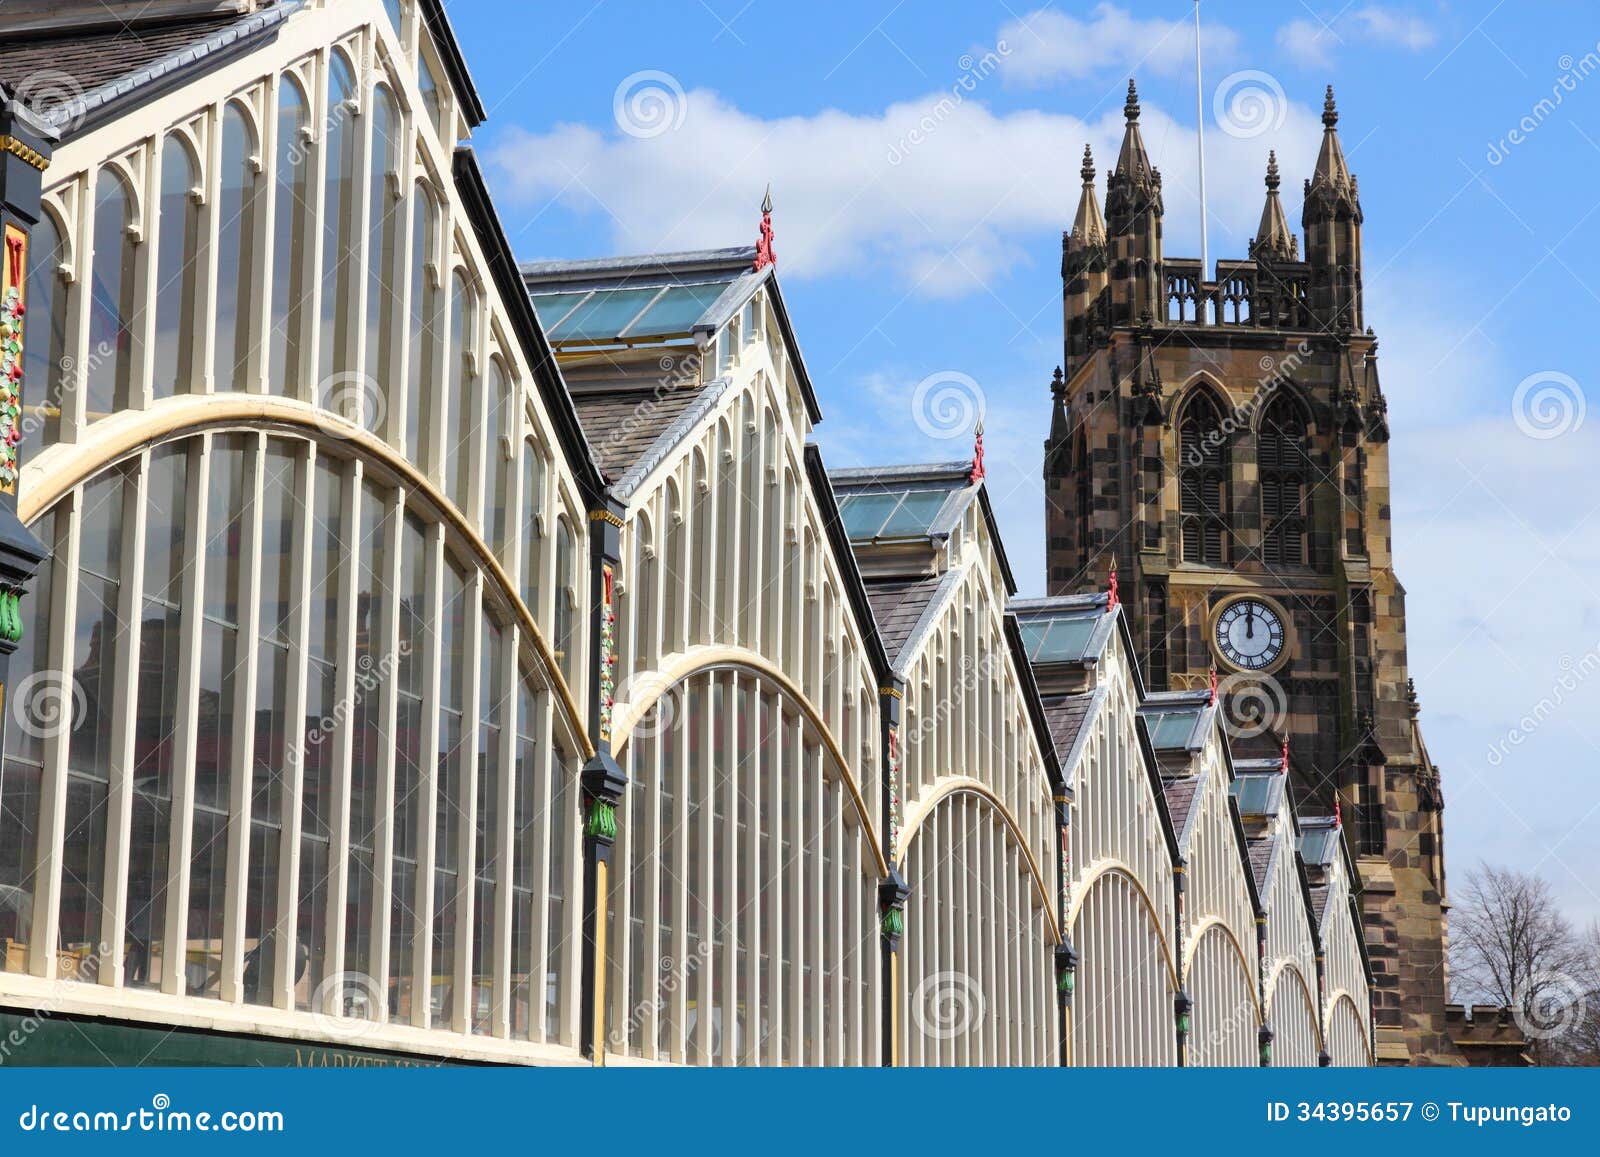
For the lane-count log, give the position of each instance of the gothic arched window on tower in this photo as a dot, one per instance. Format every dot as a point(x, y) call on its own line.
point(1285, 472)
point(1203, 483)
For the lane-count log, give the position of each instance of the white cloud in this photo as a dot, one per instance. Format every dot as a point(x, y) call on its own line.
point(1049, 45)
point(942, 194)
point(1312, 43)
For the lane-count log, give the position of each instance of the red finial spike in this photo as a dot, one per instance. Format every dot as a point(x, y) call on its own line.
point(1213, 698)
point(978, 471)
point(1284, 766)
point(764, 254)
point(1338, 814)
point(1112, 598)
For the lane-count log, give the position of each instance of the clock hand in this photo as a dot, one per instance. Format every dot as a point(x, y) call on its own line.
point(1250, 621)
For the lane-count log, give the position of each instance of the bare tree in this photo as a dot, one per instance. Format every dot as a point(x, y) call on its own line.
point(1512, 946)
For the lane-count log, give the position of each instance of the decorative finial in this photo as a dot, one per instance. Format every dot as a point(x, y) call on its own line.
point(978, 472)
point(1112, 598)
point(1338, 813)
point(764, 254)
point(1330, 111)
point(1213, 698)
point(1131, 109)
point(1058, 384)
point(1087, 172)
point(1272, 171)
point(1283, 767)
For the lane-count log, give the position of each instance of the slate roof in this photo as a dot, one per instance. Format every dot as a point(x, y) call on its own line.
point(1066, 715)
point(898, 606)
point(621, 425)
point(72, 73)
point(1181, 792)
point(1261, 859)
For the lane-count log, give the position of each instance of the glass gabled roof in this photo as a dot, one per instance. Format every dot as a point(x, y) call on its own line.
point(626, 313)
point(1259, 795)
point(1171, 729)
point(1317, 845)
point(1059, 640)
point(891, 514)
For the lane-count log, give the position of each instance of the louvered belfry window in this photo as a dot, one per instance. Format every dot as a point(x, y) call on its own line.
point(1203, 483)
point(1284, 469)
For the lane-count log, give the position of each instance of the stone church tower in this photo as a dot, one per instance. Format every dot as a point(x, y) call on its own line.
point(1223, 443)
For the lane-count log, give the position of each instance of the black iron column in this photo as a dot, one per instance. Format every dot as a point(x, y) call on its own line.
point(603, 780)
point(893, 891)
point(24, 152)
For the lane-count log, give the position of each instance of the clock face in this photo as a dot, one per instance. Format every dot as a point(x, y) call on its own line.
point(1250, 634)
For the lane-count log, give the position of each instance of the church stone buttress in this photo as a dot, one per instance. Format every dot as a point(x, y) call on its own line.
point(1223, 442)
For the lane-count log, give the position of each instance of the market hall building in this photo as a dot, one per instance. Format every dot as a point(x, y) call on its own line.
point(419, 657)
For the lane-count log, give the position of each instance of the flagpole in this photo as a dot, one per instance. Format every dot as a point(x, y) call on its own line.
point(1200, 121)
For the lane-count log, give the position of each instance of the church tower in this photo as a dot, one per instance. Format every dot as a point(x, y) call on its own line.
point(1222, 441)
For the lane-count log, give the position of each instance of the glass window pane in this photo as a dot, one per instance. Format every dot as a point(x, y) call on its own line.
point(110, 288)
point(338, 207)
point(177, 260)
point(289, 243)
point(604, 315)
point(384, 222)
point(915, 514)
point(676, 310)
point(236, 275)
point(424, 317)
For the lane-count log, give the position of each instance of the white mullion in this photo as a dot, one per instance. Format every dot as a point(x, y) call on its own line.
point(295, 700)
point(241, 787)
point(833, 941)
point(572, 884)
point(749, 911)
point(729, 870)
point(405, 197)
point(211, 226)
point(124, 721)
point(465, 990)
point(266, 217)
point(772, 768)
point(317, 161)
point(75, 390)
point(389, 725)
point(344, 695)
point(543, 784)
point(505, 837)
point(146, 262)
point(686, 968)
point(650, 1000)
point(180, 851)
point(360, 193)
point(708, 888)
point(422, 982)
point(814, 885)
point(794, 739)
point(44, 958)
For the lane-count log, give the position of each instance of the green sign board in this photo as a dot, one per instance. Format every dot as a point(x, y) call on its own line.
point(57, 1039)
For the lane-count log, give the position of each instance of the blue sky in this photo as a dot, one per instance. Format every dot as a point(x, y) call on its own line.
point(916, 239)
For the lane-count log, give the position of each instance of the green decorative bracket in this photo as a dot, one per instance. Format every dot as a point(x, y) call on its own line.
point(602, 820)
point(10, 614)
point(894, 921)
